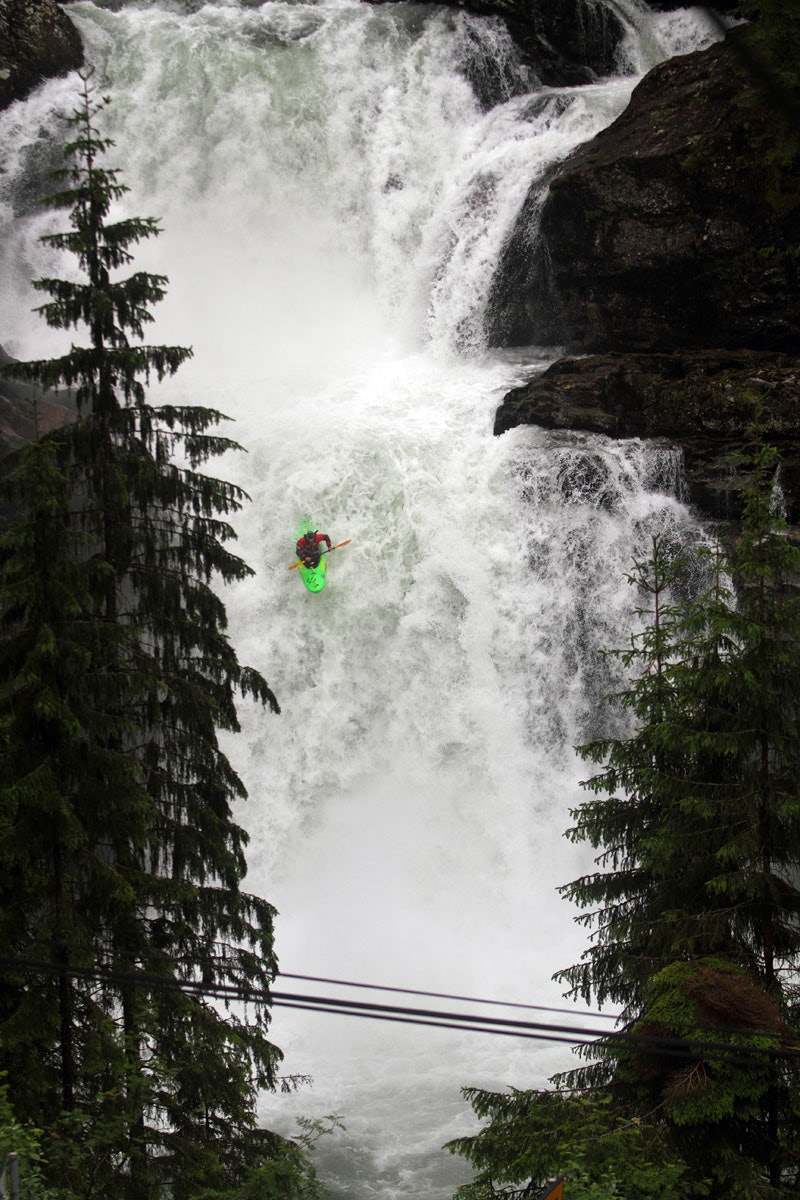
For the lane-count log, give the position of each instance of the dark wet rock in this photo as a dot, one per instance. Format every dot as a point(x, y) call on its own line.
point(666, 251)
point(562, 41)
point(678, 226)
point(38, 41)
point(701, 400)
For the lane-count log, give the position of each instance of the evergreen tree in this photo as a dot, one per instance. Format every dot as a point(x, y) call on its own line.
point(694, 906)
point(699, 834)
point(117, 676)
point(707, 793)
point(599, 1152)
point(47, 644)
point(634, 886)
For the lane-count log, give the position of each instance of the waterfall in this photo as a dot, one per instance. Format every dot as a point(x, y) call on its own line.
point(333, 198)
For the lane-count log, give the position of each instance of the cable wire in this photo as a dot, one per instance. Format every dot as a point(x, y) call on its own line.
point(680, 1047)
point(377, 987)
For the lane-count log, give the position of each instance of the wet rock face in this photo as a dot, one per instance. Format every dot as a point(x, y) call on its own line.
point(701, 400)
point(667, 250)
point(562, 41)
point(678, 226)
point(37, 41)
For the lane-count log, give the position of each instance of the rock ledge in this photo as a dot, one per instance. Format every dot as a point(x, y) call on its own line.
point(699, 399)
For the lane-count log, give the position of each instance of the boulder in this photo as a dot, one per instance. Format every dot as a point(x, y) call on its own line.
point(37, 41)
point(666, 252)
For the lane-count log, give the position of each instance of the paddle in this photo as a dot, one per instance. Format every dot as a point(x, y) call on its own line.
point(299, 562)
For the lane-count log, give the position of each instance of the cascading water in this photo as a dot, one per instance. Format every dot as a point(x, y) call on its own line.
point(334, 200)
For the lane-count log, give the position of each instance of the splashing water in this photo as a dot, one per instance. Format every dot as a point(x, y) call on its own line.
point(334, 199)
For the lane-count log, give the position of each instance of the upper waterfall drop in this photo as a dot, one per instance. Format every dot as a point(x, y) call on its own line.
point(343, 150)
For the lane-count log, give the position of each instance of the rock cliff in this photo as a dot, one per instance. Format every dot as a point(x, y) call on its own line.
point(667, 256)
point(699, 400)
point(37, 41)
point(677, 226)
point(667, 252)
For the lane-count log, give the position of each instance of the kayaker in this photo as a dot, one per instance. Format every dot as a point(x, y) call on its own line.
point(307, 548)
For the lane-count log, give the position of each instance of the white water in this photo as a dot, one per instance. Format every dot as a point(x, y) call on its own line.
point(333, 201)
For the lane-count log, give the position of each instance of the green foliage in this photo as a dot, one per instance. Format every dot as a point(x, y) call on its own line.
point(699, 825)
point(80, 1157)
point(769, 52)
point(287, 1171)
point(718, 1027)
point(585, 1139)
point(762, 142)
point(25, 1141)
point(699, 820)
point(775, 32)
point(708, 1059)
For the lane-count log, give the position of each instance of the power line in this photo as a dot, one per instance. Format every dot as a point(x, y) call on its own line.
point(377, 987)
point(574, 1035)
point(394, 1012)
point(83, 949)
point(527, 1032)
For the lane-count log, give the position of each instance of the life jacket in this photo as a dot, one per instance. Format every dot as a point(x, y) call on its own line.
point(307, 544)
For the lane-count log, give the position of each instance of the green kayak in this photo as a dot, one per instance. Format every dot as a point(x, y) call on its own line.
point(313, 577)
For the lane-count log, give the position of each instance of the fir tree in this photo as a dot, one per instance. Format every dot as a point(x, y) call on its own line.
point(698, 823)
point(700, 806)
point(599, 1152)
point(695, 902)
point(632, 888)
point(117, 678)
point(47, 644)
